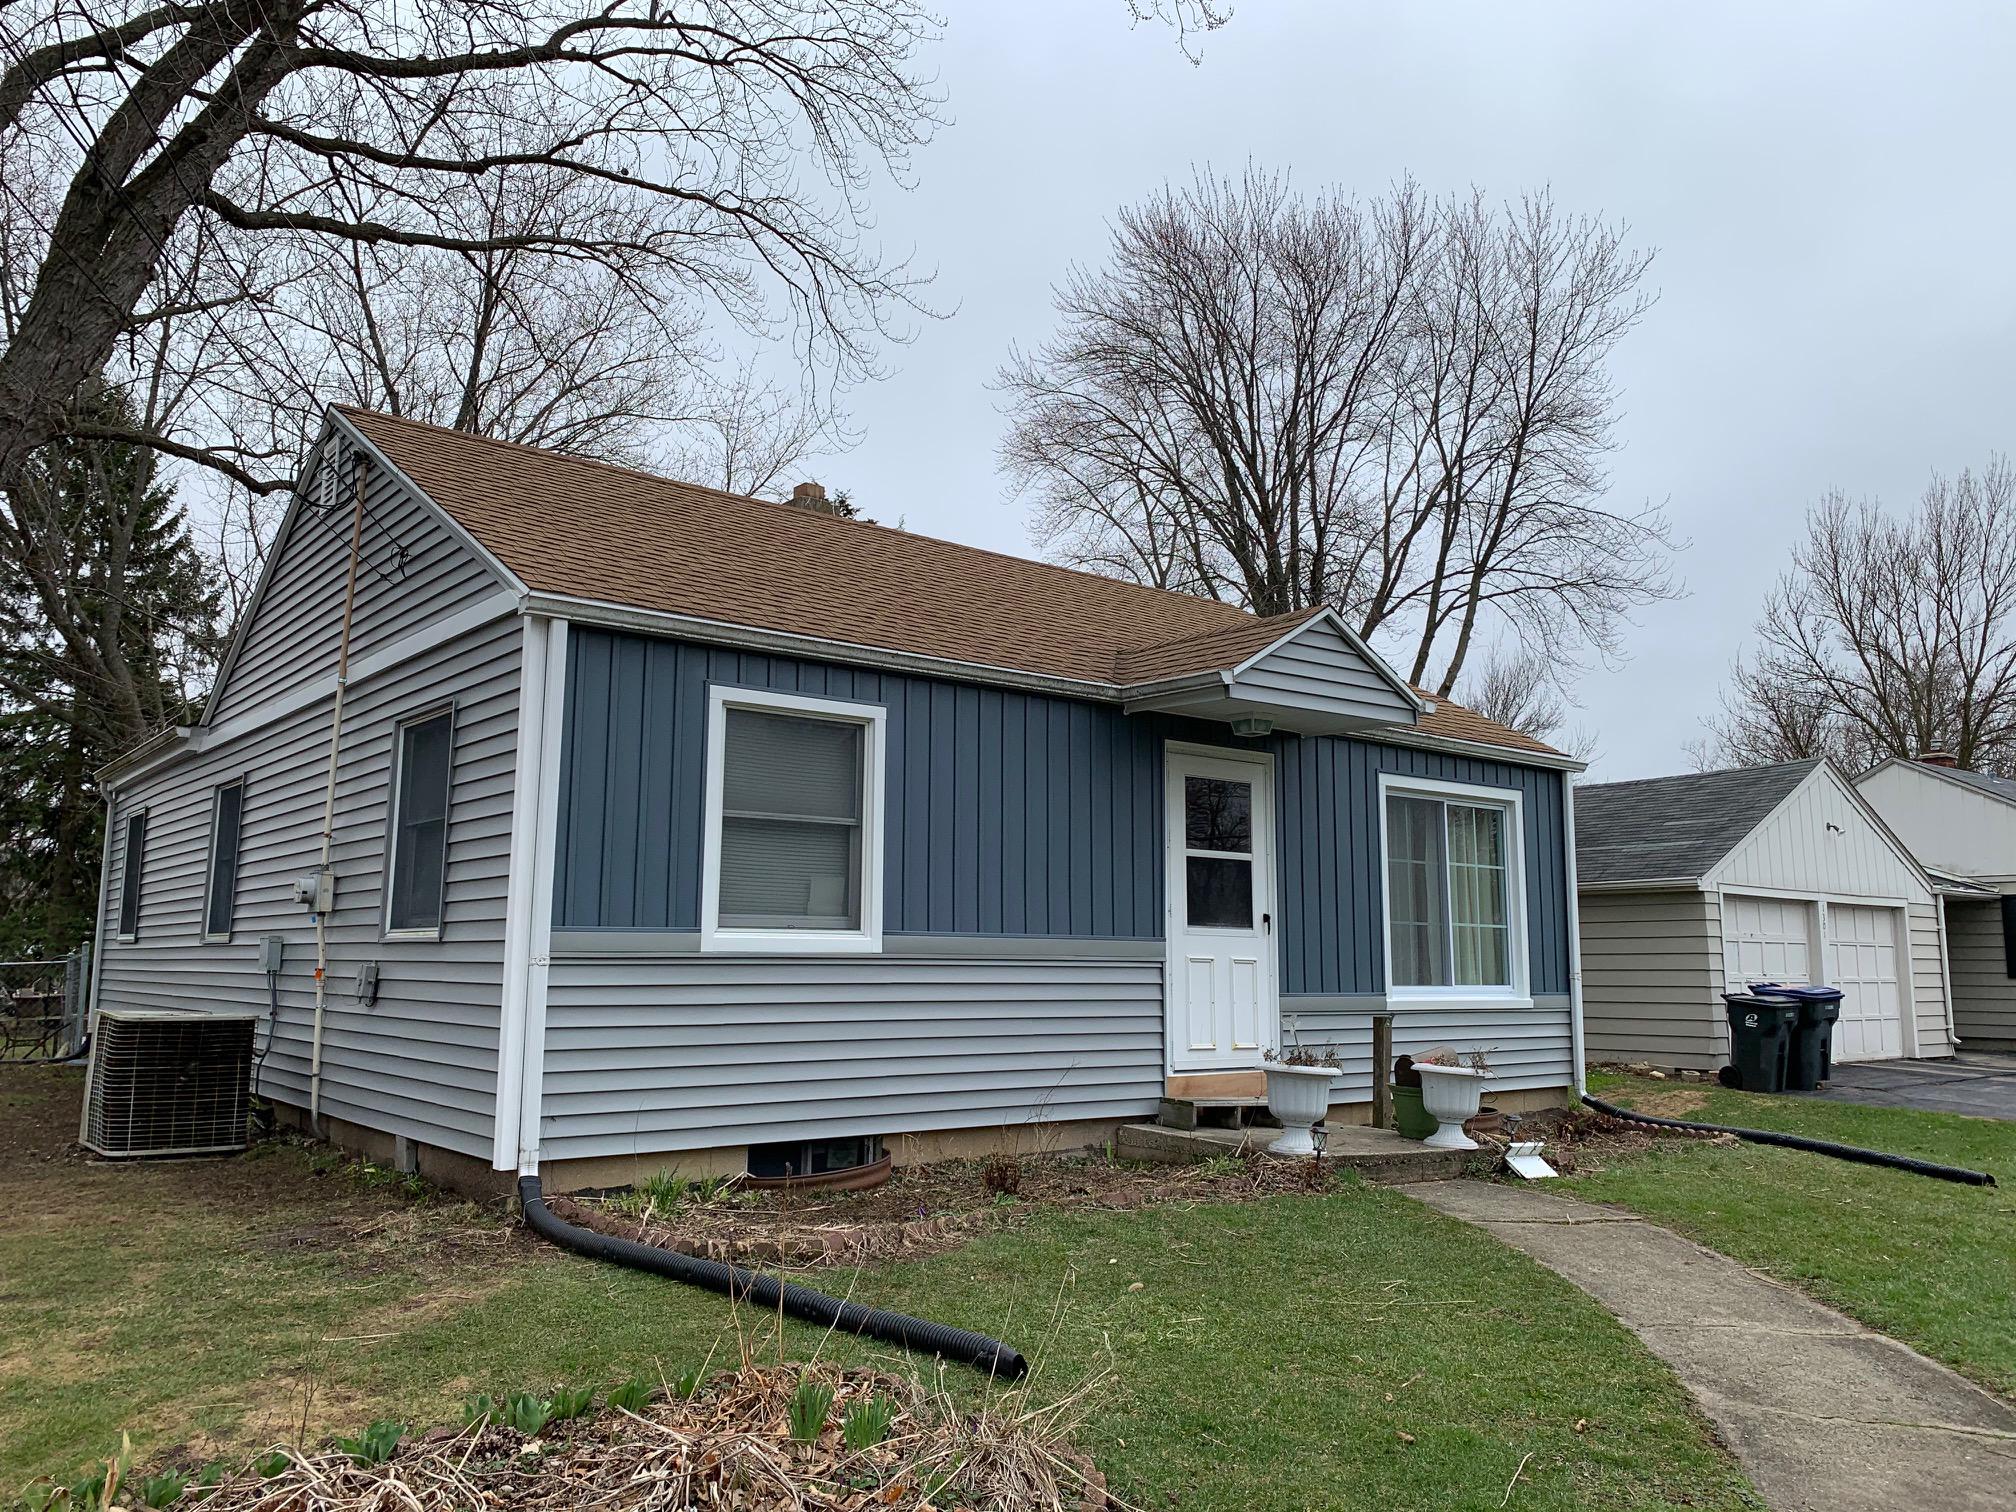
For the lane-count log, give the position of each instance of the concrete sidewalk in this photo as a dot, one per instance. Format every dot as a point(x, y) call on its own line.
point(1822, 1412)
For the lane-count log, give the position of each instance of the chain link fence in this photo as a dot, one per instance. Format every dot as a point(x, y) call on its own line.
point(43, 1007)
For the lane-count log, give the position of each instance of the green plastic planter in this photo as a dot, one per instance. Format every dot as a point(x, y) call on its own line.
point(1409, 1117)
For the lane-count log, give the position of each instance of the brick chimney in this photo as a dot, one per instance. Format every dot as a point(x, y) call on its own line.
point(1938, 758)
point(812, 496)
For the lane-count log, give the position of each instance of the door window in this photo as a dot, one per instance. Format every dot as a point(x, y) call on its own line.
point(1218, 852)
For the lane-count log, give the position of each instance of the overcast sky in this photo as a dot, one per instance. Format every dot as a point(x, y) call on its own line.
point(1829, 188)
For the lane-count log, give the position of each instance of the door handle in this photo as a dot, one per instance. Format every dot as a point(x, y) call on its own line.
point(1267, 923)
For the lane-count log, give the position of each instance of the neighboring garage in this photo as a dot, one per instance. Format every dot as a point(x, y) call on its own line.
point(1697, 884)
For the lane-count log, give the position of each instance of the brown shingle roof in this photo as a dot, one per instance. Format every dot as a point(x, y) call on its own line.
point(588, 530)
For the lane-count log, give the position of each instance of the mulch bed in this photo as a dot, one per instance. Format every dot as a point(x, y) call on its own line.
point(930, 1209)
point(1581, 1141)
point(729, 1446)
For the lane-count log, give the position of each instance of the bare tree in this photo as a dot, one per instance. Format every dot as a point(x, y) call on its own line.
point(1518, 688)
point(1889, 637)
point(1398, 408)
point(750, 434)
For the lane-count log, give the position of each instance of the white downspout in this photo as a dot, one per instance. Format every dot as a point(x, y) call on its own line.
point(527, 785)
point(1574, 937)
point(531, 1075)
point(1945, 971)
point(325, 893)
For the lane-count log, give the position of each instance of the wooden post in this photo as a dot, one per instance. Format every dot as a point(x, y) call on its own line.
point(1382, 1070)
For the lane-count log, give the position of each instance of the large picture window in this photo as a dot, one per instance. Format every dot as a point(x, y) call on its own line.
point(220, 897)
point(1452, 893)
point(793, 854)
point(419, 841)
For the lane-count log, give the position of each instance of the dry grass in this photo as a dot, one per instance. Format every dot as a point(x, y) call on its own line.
point(933, 1209)
point(728, 1446)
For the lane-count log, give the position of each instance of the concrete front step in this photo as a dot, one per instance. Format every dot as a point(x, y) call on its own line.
point(1376, 1154)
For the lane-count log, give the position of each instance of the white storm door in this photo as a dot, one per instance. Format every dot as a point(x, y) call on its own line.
point(1219, 996)
point(1863, 945)
point(1766, 940)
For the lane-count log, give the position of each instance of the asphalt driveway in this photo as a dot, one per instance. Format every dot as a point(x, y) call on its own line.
point(1981, 1085)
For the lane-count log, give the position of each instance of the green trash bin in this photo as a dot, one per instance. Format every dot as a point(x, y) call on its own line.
point(1809, 1058)
point(1760, 1031)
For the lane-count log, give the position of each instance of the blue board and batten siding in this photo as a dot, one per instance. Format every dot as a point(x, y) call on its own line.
point(1021, 823)
point(1009, 813)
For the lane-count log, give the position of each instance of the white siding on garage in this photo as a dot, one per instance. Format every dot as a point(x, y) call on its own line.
point(1652, 978)
point(1948, 826)
point(1984, 994)
point(1819, 840)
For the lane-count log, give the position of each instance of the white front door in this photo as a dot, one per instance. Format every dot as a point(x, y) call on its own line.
point(1221, 1007)
point(1863, 945)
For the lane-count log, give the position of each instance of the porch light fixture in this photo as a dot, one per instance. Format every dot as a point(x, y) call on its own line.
point(1252, 727)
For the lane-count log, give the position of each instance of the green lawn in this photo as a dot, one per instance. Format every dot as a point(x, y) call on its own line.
point(1928, 1262)
point(1351, 1350)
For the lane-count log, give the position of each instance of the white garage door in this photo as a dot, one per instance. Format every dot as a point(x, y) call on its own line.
point(1864, 964)
point(1766, 940)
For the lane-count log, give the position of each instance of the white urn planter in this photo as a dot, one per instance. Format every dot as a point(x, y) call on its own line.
point(1451, 1094)
point(1298, 1096)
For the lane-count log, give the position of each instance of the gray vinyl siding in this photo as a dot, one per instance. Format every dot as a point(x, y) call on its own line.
point(1652, 978)
point(678, 1052)
point(1319, 670)
point(1984, 994)
point(414, 569)
point(1527, 1048)
point(1927, 989)
point(1010, 814)
point(421, 1061)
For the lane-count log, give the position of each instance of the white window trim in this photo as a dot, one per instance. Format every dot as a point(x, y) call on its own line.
point(211, 936)
point(1518, 993)
point(868, 938)
point(398, 782)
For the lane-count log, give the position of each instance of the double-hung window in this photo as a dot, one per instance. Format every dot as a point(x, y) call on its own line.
point(425, 760)
point(793, 840)
point(132, 859)
point(1453, 891)
point(227, 809)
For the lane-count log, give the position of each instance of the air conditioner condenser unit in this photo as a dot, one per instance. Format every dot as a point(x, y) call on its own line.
point(169, 1083)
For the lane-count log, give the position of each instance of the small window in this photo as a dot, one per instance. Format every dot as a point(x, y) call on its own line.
point(1449, 893)
point(133, 858)
point(1218, 853)
point(793, 787)
point(220, 900)
point(420, 825)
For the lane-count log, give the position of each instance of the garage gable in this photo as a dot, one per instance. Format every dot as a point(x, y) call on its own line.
point(1823, 838)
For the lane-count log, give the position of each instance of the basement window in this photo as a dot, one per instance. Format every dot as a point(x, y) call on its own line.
point(793, 840)
point(812, 1157)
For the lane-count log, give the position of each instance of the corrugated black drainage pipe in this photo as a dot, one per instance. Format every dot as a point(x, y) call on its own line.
point(1799, 1142)
point(769, 1293)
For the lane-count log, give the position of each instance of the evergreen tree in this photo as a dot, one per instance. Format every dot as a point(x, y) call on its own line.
point(137, 625)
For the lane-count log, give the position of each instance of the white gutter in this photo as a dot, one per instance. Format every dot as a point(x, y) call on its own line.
point(539, 935)
point(1574, 939)
point(528, 784)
